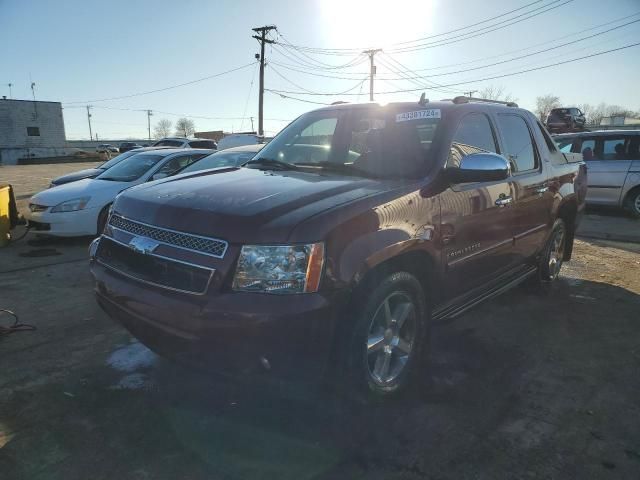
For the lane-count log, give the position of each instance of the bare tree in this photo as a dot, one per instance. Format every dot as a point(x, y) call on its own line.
point(185, 127)
point(162, 128)
point(497, 92)
point(545, 104)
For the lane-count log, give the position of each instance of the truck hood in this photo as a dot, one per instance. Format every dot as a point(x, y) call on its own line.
point(242, 205)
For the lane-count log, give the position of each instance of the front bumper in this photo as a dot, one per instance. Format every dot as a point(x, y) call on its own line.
point(290, 336)
point(64, 224)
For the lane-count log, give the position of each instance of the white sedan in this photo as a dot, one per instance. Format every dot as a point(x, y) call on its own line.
point(81, 208)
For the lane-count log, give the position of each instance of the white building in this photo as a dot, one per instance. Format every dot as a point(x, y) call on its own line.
point(30, 129)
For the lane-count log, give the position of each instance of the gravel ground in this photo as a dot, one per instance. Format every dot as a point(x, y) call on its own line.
point(525, 386)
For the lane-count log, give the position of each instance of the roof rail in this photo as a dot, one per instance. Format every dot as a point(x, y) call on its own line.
point(339, 102)
point(463, 99)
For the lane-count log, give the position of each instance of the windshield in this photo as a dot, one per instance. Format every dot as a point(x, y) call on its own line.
point(220, 159)
point(131, 168)
point(116, 159)
point(375, 142)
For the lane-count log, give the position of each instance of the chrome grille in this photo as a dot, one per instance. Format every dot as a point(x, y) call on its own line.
point(209, 246)
point(153, 269)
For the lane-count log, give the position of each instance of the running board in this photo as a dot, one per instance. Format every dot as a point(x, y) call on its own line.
point(453, 311)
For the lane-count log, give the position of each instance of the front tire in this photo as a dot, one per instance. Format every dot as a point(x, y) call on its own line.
point(388, 336)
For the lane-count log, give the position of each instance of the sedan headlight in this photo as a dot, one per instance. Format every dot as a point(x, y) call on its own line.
point(71, 205)
point(280, 269)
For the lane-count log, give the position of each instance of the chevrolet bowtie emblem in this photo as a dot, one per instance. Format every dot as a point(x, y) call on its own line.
point(143, 245)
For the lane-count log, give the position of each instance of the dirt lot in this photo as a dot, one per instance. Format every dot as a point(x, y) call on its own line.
point(525, 386)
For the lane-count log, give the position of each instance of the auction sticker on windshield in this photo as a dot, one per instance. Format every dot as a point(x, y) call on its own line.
point(418, 115)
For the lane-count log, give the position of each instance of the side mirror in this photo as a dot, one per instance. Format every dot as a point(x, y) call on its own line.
point(479, 167)
point(158, 176)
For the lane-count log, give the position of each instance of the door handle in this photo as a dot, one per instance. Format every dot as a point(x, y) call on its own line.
point(502, 201)
point(541, 190)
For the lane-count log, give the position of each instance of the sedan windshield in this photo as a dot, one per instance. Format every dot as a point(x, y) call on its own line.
point(371, 142)
point(117, 159)
point(131, 168)
point(220, 159)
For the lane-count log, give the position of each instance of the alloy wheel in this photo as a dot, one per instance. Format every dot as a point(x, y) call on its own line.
point(391, 338)
point(556, 252)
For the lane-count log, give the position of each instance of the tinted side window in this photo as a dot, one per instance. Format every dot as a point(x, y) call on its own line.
point(634, 148)
point(517, 142)
point(613, 149)
point(474, 135)
point(203, 144)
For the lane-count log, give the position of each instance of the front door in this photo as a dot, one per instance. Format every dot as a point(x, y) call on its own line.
point(475, 217)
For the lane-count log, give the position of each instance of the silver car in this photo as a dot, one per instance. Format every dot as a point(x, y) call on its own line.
point(613, 165)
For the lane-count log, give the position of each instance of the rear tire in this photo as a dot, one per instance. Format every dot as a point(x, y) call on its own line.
point(632, 202)
point(388, 337)
point(552, 256)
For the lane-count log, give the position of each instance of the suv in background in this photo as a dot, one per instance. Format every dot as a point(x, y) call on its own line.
point(126, 146)
point(181, 142)
point(330, 253)
point(562, 120)
point(613, 160)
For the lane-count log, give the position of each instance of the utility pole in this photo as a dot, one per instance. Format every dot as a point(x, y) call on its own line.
point(33, 90)
point(470, 93)
point(149, 114)
point(372, 72)
point(252, 124)
point(262, 38)
point(10, 85)
point(89, 120)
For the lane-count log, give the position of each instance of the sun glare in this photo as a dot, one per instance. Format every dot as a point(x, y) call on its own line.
point(375, 23)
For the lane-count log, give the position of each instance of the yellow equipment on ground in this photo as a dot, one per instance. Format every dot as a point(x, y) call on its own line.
point(7, 214)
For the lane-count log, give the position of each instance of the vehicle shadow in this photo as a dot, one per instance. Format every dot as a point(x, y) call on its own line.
point(508, 386)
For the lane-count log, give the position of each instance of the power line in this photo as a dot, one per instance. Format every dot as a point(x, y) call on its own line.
point(480, 79)
point(282, 95)
point(481, 31)
point(415, 70)
point(209, 77)
point(581, 31)
point(445, 41)
point(526, 55)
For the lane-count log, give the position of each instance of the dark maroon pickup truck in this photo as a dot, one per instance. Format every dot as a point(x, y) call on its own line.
point(331, 252)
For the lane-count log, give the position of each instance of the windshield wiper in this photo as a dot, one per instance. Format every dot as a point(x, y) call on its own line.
point(338, 168)
point(271, 164)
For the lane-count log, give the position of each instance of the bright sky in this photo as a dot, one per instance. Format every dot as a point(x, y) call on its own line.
point(84, 50)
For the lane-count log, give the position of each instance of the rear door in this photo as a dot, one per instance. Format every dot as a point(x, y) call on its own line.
point(475, 217)
point(532, 200)
point(608, 162)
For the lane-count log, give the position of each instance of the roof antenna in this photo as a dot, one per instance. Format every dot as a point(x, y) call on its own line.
point(423, 99)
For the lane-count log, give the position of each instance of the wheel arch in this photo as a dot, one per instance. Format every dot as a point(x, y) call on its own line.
point(418, 262)
point(568, 212)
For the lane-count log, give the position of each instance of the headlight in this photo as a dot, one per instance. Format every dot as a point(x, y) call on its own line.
point(71, 205)
point(280, 269)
